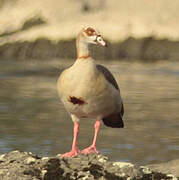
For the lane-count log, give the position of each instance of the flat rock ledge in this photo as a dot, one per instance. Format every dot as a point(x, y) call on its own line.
point(17, 165)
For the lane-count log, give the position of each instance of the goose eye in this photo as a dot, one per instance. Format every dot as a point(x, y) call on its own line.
point(98, 38)
point(90, 32)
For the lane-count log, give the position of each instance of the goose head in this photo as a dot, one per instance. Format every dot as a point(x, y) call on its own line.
point(90, 35)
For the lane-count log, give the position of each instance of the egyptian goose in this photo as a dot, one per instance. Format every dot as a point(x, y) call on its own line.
point(89, 90)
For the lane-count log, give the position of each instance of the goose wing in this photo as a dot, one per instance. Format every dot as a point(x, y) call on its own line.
point(113, 120)
point(108, 75)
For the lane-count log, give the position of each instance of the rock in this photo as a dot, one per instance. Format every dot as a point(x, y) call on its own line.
point(30, 160)
point(27, 166)
point(2, 158)
point(171, 167)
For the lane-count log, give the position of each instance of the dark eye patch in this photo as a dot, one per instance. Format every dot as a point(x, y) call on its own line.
point(97, 38)
point(90, 31)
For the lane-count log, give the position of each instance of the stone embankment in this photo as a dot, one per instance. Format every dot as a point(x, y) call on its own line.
point(145, 49)
point(46, 29)
point(18, 165)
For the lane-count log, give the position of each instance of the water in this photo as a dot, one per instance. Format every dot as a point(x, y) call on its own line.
point(33, 119)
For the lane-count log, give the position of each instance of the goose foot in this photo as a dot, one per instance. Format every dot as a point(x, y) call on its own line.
point(89, 150)
point(72, 153)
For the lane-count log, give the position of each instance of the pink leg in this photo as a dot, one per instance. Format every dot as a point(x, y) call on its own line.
point(92, 148)
point(75, 149)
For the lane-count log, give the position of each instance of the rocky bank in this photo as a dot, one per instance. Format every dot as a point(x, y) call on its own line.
point(18, 165)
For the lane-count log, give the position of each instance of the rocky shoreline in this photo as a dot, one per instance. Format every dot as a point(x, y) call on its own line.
point(18, 165)
point(45, 30)
point(146, 49)
point(25, 43)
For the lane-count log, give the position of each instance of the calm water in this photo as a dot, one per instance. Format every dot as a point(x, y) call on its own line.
point(33, 119)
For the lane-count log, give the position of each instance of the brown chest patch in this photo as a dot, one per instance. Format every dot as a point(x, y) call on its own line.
point(76, 100)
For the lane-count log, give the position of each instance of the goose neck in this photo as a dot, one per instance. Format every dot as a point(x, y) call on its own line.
point(82, 49)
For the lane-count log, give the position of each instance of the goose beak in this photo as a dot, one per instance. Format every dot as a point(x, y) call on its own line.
point(103, 43)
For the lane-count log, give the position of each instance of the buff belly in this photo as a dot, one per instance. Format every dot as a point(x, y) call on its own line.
point(94, 107)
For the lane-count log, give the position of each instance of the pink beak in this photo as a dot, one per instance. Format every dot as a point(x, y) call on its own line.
point(103, 43)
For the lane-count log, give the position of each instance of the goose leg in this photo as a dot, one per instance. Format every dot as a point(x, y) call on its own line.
point(75, 149)
point(92, 148)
